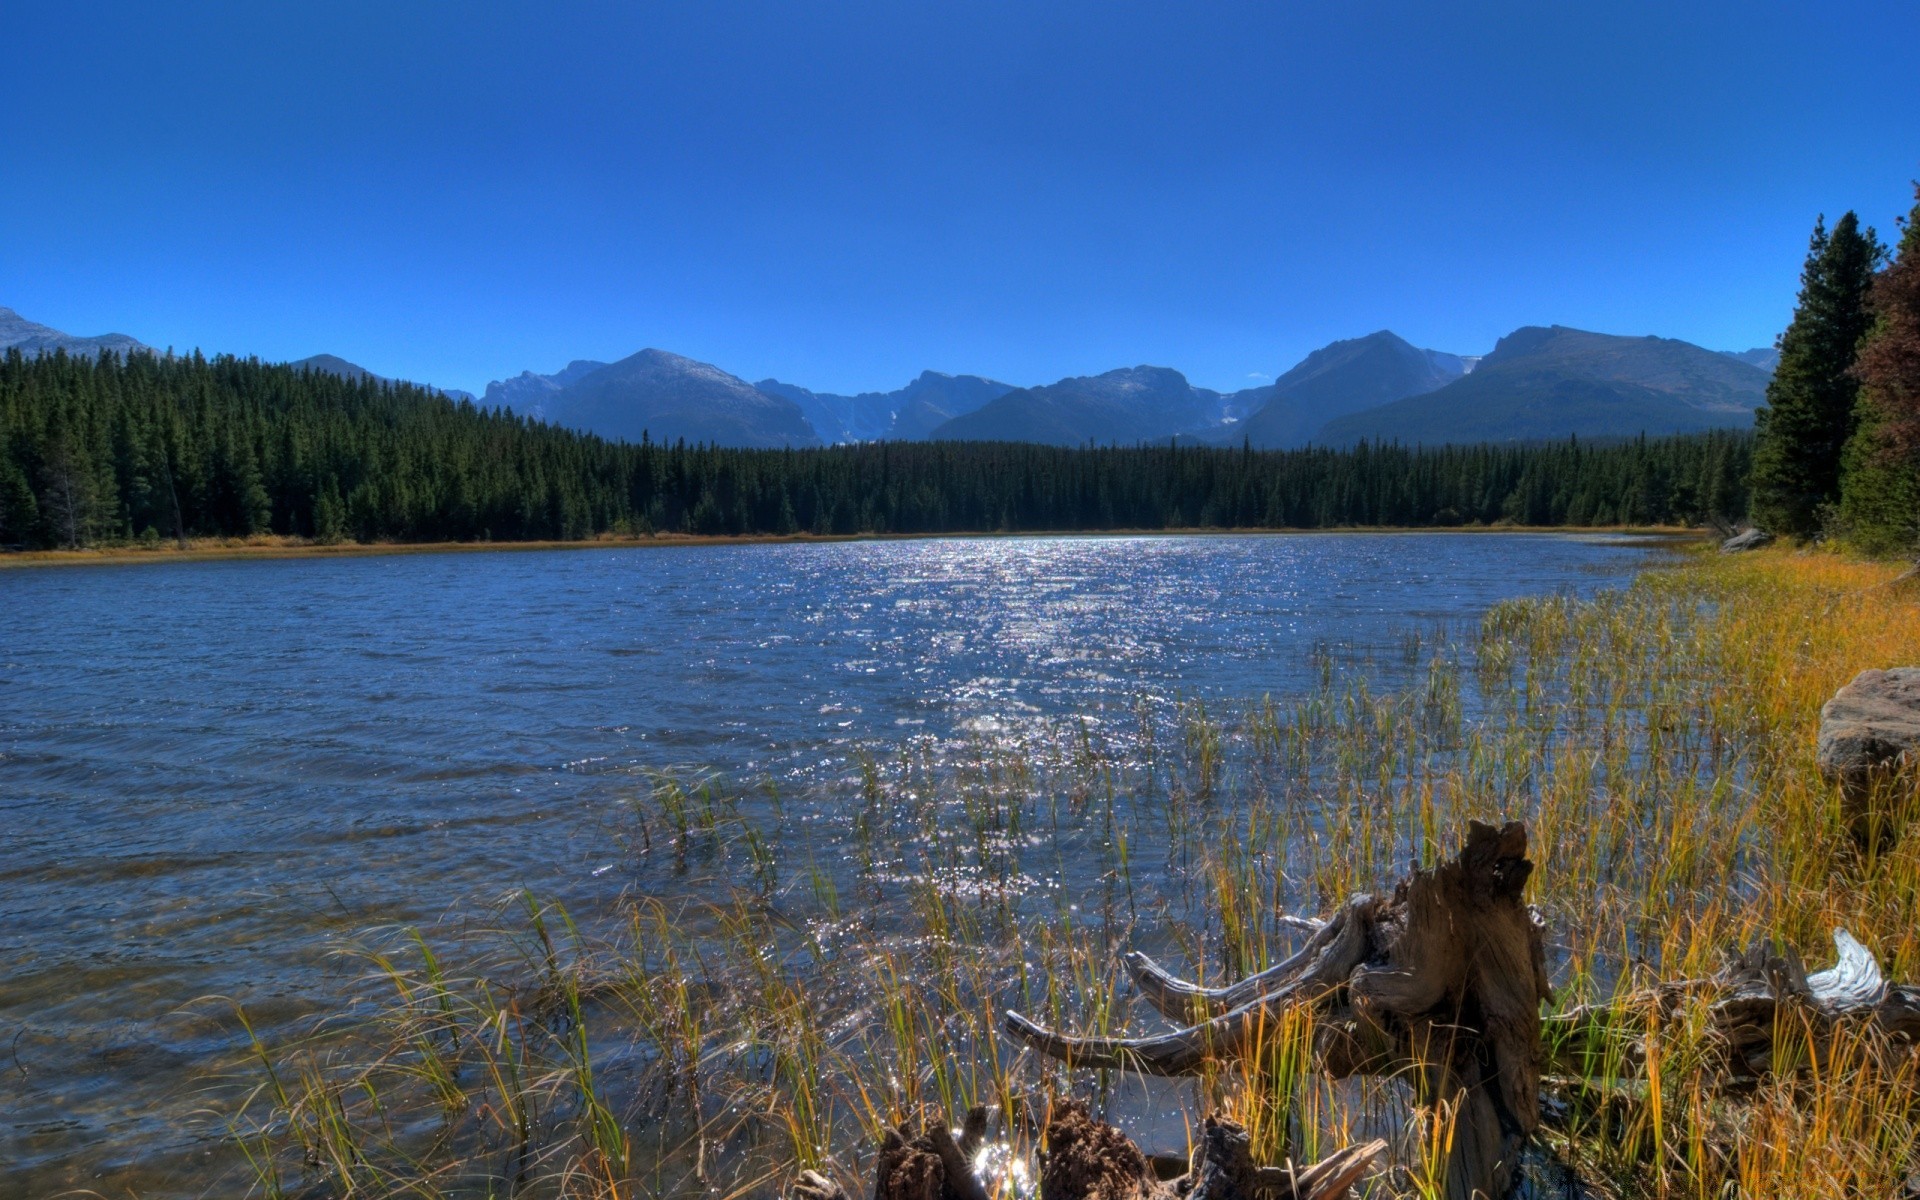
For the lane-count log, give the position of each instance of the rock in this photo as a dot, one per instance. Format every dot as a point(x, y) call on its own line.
point(1870, 732)
point(1748, 539)
point(1871, 725)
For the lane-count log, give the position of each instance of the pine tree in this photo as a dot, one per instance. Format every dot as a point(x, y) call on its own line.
point(67, 498)
point(1880, 486)
point(329, 516)
point(19, 511)
point(1809, 414)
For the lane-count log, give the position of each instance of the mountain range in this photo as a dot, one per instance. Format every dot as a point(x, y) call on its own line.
point(905, 414)
point(1133, 404)
point(1346, 377)
point(668, 397)
point(529, 394)
point(1764, 357)
point(1538, 383)
point(31, 337)
point(1555, 382)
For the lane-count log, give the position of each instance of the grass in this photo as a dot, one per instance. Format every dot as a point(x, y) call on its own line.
point(789, 975)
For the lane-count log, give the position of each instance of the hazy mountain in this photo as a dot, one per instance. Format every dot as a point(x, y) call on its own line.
point(906, 414)
point(1135, 404)
point(862, 418)
point(1237, 407)
point(1538, 383)
point(31, 337)
point(528, 394)
point(333, 364)
point(1345, 377)
point(669, 397)
point(1555, 382)
point(934, 399)
point(1764, 357)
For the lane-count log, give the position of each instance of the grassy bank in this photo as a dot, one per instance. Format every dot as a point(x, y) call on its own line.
point(274, 546)
point(784, 975)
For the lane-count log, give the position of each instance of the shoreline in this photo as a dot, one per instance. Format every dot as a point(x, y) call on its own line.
point(234, 549)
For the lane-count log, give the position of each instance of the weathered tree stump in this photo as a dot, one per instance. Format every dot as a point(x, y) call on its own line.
point(1088, 1159)
point(1442, 983)
point(928, 1165)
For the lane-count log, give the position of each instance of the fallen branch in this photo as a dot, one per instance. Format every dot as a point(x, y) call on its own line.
point(1745, 1003)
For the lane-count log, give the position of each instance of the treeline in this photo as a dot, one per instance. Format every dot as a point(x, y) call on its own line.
point(1838, 449)
point(147, 448)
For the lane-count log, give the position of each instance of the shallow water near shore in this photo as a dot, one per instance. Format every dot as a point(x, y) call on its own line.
point(214, 774)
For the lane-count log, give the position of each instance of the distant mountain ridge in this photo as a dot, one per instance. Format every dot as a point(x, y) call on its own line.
point(1764, 357)
point(1539, 382)
point(1553, 382)
point(1346, 377)
point(906, 414)
point(1133, 404)
point(667, 397)
point(31, 337)
point(529, 394)
point(333, 364)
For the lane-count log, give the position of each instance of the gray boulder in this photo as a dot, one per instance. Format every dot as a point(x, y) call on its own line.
point(1871, 726)
point(1746, 539)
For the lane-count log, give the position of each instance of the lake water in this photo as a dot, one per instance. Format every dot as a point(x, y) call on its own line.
point(212, 773)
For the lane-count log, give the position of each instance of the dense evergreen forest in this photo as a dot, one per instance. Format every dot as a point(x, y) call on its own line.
point(1838, 447)
point(146, 448)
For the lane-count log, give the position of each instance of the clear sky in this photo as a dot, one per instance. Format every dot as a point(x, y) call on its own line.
point(841, 195)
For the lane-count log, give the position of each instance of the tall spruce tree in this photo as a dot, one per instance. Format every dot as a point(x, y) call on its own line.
point(1880, 486)
point(1809, 414)
point(19, 509)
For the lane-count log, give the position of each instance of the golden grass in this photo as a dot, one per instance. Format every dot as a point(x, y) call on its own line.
point(847, 958)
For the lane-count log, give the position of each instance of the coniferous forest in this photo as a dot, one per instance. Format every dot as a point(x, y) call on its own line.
point(96, 451)
point(1838, 448)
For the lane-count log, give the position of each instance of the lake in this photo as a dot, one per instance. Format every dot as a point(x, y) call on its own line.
point(214, 774)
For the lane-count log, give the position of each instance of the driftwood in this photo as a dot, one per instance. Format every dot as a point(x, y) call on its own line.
point(1746, 539)
point(1441, 983)
point(1087, 1159)
point(1753, 998)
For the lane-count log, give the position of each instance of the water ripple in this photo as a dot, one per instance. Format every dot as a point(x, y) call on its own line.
point(213, 772)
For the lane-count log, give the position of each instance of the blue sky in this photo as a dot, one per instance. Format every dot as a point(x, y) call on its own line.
point(843, 194)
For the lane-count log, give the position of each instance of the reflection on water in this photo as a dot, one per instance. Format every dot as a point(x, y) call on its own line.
point(212, 774)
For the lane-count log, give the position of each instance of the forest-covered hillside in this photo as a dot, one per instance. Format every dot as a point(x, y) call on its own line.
point(109, 449)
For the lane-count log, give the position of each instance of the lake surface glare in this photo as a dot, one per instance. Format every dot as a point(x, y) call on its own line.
point(214, 774)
